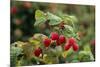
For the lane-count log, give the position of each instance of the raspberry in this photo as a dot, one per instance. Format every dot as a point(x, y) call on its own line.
point(13, 10)
point(71, 41)
point(47, 42)
point(37, 52)
point(57, 42)
point(67, 46)
point(62, 39)
point(54, 36)
point(75, 47)
point(40, 50)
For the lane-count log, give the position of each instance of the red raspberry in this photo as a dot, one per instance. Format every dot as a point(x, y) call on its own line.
point(47, 42)
point(57, 42)
point(40, 50)
point(71, 41)
point(67, 46)
point(37, 52)
point(62, 39)
point(13, 10)
point(75, 47)
point(54, 36)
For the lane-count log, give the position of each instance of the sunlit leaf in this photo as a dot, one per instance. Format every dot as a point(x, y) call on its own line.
point(54, 20)
point(39, 36)
point(39, 14)
point(40, 17)
point(34, 41)
point(69, 19)
point(87, 47)
point(18, 44)
point(74, 19)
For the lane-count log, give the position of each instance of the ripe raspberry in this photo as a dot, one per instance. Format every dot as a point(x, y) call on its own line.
point(37, 52)
point(57, 42)
point(71, 41)
point(62, 39)
point(54, 36)
point(47, 42)
point(40, 50)
point(75, 47)
point(13, 10)
point(67, 46)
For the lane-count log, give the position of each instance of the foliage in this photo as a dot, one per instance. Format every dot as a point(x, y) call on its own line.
point(51, 33)
point(52, 53)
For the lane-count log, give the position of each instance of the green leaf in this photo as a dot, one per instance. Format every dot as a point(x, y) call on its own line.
point(87, 47)
point(40, 17)
point(86, 56)
point(18, 43)
point(58, 50)
point(74, 19)
point(54, 20)
point(69, 19)
point(68, 28)
point(34, 41)
point(39, 36)
point(14, 52)
point(47, 59)
point(39, 14)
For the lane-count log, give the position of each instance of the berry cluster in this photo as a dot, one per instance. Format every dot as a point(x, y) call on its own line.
point(54, 37)
point(71, 43)
point(58, 39)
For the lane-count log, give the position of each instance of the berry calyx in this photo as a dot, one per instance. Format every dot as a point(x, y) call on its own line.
point(47, 42)
point(54, 36)
point(37, 52)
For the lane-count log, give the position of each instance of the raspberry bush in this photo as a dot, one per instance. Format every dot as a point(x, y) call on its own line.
point(55, 41)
